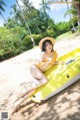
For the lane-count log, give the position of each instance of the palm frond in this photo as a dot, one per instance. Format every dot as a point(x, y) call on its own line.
point(2, 3)
point(71, 11)
point(1, 8)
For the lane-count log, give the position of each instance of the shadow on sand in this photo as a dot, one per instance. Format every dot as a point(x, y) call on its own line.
point(63, 106)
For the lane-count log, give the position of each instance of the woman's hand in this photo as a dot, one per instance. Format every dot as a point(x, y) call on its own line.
point(56, 63)
point(50, 59)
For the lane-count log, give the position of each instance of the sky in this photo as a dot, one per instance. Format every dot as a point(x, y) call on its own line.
point(56, 12)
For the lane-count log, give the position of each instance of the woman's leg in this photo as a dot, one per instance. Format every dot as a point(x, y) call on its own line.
point(39, 76)
point(17, 103)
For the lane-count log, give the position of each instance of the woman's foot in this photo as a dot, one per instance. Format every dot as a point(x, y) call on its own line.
point(16, 105)
point(22, 99)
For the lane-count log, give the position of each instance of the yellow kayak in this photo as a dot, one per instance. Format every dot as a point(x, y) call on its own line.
point(59, 76)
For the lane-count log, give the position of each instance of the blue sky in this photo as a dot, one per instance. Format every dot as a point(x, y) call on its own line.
point(57, 11)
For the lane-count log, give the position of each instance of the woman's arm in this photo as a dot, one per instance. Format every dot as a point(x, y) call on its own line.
point(44, 64)
point(54, 60)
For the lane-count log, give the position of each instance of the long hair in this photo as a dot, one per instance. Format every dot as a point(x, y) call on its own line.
point(45, 43)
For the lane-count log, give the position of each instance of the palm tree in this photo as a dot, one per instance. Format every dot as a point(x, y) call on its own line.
point(70, 14)
point(73, 12)
point(44, 7)
point(43, 14)
point(77, 6)
point(16, 12)
point(27, 4)
point(67, 13)
point(26, 23)
point(2, 9)
point(31, 11)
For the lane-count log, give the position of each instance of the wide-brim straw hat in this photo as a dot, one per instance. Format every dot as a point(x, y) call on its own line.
point(46, 38)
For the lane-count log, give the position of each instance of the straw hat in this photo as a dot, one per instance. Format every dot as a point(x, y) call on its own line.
point(46, 38)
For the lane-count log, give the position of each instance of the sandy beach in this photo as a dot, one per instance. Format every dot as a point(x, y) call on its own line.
point(15, 72)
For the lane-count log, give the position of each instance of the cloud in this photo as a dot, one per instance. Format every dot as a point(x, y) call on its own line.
point(58, 7)
point(36, 3)
point(1, 22)
point(53, 7)
point(20, 2)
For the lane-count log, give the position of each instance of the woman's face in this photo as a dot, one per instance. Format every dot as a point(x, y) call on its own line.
point(49, 47)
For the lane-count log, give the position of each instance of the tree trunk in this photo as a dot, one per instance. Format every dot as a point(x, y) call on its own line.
point(26, 24)
point(3, 17)
point(77, 5)
point(33, 12)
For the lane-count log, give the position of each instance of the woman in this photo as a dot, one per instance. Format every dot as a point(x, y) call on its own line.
point(48, 58)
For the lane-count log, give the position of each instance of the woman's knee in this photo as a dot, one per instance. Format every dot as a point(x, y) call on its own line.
point(38, 74)
point(32, 68)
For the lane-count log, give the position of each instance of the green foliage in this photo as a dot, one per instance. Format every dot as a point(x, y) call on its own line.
point(49, 33)
point(11, 23)
point(15, 36)
point(14, 41)
point(78, 27)
point(28, 43)
point(10, 42)
point(62, 28)
point(19, 32)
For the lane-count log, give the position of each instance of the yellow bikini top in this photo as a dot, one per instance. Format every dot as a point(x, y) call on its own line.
point(54, 58)
point(40, 64)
